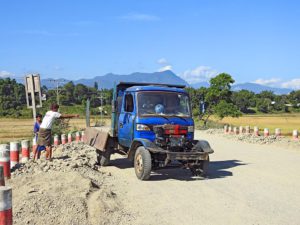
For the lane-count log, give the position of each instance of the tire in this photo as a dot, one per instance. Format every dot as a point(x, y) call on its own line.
point(142, 163)
point(201, 169)
point(205, 167)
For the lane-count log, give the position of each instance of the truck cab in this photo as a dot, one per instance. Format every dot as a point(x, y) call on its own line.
point(153, 125)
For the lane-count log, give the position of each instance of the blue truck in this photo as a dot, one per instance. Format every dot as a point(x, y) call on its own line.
point(152, 125)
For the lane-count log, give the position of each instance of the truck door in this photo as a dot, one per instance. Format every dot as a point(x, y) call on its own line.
point(126, 120)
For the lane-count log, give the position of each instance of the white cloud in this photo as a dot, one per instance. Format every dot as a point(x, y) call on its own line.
point(199, 74)
point(140, 17)
point(162, 61)
point(269, 82)
point(293, 84)
point(4, 74)
point(164, 68)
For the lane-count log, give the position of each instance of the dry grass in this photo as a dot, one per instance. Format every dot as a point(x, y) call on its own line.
point(18, 129)
point(287, 122)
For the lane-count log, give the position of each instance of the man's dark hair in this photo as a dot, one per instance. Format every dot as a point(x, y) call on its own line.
point(54, 106)
point(38, 115)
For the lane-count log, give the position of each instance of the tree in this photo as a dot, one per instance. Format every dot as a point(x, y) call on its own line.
point(219, 98)
point(243, 99)
point(96, 85)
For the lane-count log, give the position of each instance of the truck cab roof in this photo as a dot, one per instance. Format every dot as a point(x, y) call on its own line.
point(155, 88)
point(134, 87)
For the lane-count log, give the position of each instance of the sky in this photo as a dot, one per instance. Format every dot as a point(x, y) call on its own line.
point(254, 41)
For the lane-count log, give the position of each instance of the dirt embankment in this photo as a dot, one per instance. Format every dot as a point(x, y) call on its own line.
point(68, 190)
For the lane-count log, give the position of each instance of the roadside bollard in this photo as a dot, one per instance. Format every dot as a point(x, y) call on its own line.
point(235, 131)
point(82, 136)
point(266, 132)
point(6, 206)
point(277, 132)
point(241, 130)
point(63, 139)
point(77, 137)
point(256, 131)
point(230, 130)
point(56, 141)
point(295, 135)
point(25, 151)
point(14, 154)
point(247, 129)
point(5, 160)
point(2, 181)
point(69, 137)
point(225, 129)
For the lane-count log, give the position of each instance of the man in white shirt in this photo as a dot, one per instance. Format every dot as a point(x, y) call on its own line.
point(44, 136)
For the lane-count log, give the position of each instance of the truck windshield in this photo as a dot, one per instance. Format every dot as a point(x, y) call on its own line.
point(163, 103)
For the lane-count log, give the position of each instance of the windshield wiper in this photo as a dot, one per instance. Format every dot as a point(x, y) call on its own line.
point(156, 115)
point(174, 115)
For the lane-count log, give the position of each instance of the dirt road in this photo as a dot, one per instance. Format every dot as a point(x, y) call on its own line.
point(248, 184)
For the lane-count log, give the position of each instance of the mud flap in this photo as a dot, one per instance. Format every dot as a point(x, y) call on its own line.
point(203, 146)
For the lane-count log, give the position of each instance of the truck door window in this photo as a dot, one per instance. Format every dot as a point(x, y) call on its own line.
point(128, 106)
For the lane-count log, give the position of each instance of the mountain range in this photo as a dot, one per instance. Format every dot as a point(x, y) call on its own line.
point(167, 77)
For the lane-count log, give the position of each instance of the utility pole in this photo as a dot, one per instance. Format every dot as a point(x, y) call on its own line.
point(101, 106)
point(57, 84)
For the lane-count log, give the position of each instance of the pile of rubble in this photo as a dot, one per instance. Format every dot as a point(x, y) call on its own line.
point(251, 138)
point(68, 157)
point(69, 189)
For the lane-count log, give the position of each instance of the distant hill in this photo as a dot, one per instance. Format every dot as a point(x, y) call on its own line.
point(167, 77)
point(257, 88)
point(199, 85)
point(108, 80)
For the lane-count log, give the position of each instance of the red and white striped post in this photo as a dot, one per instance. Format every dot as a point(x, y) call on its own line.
point(256, 131)
point(225, 129)
point(230, 130)
point(2, 180)
point(247, 129)
point(82, 136)
point(14, 153)
point(69, 137)
point(235, 131)
point(77, 137)
point(241, 130)
point(25, 150)
point(277, 132)
point(63, 139)
point(6, 206)
point(266, 132)
point(55, 140)
point(295, 135)
point(5, 160)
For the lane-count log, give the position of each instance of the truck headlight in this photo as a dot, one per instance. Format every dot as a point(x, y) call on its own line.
point(190, 129)
point(141, 127)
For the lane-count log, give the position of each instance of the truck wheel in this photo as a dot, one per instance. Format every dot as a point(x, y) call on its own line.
point(142, 163)
point(201, 169)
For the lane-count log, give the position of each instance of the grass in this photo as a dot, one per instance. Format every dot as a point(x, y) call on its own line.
point(12, 129)
point(287, 122)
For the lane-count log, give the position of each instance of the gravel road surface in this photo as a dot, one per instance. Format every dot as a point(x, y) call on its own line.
point(247, 184)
